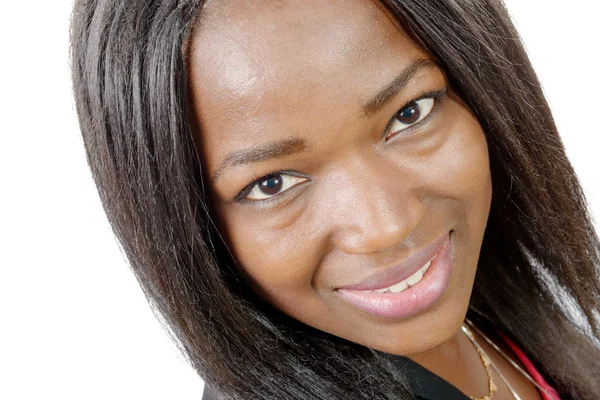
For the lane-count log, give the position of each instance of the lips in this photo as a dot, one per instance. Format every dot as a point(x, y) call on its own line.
point(401, 271)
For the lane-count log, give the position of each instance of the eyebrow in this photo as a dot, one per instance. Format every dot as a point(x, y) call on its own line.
point(397, 85)
point(260, 153)
point(287, 147)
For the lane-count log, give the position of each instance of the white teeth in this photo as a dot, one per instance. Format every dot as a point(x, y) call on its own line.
point(414, 278)
point(398, 287)
point(410, 281)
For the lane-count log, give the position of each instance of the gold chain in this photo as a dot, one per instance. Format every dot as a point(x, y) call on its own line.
point(486, 363)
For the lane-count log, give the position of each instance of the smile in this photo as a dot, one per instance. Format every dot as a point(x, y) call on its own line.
point(411, 295)
point(408, 282)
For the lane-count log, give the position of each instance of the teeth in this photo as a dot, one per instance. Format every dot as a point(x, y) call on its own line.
point(398, 287)
point(410, 281)
point(416, 277)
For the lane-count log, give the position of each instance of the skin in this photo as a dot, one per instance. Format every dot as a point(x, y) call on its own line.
point(359, 201)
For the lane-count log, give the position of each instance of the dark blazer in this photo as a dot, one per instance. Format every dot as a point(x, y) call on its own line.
point(425, 384)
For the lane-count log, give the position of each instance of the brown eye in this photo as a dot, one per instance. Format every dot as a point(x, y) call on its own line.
point(412, 113)
point(273, 185)
point(409, 114)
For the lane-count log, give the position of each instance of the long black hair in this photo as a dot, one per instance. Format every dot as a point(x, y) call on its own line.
point(131, 89)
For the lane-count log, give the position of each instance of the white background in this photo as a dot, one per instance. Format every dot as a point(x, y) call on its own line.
point(75, 325)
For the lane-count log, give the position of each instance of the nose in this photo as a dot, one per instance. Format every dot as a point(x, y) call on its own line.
point(373, 207)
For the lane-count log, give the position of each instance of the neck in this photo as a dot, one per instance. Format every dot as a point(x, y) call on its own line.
point(457, 362)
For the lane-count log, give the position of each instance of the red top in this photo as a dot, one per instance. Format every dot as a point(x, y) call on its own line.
point(537, 377)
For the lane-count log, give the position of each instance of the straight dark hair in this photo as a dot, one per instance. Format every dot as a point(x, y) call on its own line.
point(131, 90)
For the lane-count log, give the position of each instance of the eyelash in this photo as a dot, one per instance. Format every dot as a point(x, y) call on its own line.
point(436, 95)
point(241, 197)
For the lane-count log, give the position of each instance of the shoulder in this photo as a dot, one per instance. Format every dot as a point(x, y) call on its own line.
point(425, 384)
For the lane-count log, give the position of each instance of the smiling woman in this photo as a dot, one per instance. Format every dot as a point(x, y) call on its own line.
point(326, 144)
point(342, 199)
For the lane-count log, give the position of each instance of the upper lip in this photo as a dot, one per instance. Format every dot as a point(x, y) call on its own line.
point(401, 271)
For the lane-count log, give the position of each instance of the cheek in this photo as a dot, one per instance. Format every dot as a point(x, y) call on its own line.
point(276, 265)
point(461, 169)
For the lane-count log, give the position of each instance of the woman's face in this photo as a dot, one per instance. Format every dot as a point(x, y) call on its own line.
point(324, 173)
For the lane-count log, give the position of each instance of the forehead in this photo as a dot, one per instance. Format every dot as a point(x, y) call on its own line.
point(267, 67)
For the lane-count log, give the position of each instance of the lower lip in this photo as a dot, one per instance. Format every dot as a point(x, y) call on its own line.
point(413, 299)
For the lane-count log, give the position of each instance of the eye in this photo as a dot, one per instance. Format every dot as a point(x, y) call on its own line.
point(412, 113)
point(272, 185)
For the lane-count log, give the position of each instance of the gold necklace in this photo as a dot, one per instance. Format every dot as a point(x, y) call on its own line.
point(486, 363)
point(515, 365)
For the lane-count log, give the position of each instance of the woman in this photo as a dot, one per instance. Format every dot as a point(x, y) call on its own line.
point(342, 199)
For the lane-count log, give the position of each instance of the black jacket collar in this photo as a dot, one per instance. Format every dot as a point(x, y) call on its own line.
point(425, 384)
